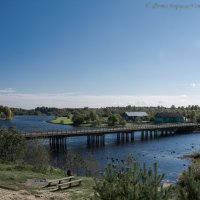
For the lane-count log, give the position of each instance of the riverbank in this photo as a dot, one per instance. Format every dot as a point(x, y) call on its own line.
point(18, 182)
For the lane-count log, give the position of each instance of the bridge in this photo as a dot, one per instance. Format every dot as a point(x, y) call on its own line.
point(96, 136)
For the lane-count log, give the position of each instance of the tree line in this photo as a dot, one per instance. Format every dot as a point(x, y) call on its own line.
point(97, 116)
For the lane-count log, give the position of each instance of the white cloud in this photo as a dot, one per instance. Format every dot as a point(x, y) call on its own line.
point(7, 90)
point(28, 100)
point(195, 84)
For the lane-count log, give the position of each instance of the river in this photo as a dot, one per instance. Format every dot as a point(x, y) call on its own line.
point(165, 151)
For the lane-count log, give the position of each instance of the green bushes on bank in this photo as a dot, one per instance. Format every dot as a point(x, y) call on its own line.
point(15, 149)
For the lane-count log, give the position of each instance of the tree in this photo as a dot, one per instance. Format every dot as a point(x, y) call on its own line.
point(78, 119)
point(122, 122)
point(37, 156)
point(74, 162)
point(193, 116)
point(190, 186)
point(130, 182)
point(12, 144)
point(5, 112)
point(114, 120)
point(2, 115)
point(93, 116)
point(138, 120)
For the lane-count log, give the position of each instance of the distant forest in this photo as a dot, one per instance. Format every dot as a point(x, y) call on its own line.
point(190, 112)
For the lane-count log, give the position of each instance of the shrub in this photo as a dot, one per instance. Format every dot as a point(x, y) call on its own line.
point(130, 182)
point(38, 157)
point(190, 188)
point(76, 164)
point(12, 144)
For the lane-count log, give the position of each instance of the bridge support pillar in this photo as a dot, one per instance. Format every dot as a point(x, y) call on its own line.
point(118, 138)
point(127, 137)
point(168, 132)
point(151, 135)
point(88, 141)
point(155, 134)
point(65, 144)
point(58, 144)
point(146, 135)
point(103, 140)
point(162, 133)
point(142, 135)
point(132, 137)
point(95, 140)
point(122, 137)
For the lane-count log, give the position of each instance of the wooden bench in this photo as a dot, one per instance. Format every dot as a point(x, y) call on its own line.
point(58, 181)
point(63, 185)
point(67, 185)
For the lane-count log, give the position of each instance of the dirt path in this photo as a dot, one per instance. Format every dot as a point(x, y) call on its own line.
point(24, 195)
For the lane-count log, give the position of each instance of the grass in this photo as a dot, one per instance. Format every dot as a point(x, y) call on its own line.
point(62, 120)
point(67, 121)
point(85, 191)
point(14, 177)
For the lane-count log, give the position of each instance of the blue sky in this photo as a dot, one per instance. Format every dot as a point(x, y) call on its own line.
point(74, 53)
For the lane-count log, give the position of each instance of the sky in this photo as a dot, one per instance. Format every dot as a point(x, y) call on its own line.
point(77, 53)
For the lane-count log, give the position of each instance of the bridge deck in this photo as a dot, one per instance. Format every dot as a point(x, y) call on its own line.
point(101, 131)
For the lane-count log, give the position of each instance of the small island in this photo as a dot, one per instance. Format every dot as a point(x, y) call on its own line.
point(62, 120)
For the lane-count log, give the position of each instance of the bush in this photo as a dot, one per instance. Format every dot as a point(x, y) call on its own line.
point(130, 182)
point(190, 186)
point(76, 164)
point(12, 144)
point(37, 156)
point(78, 119)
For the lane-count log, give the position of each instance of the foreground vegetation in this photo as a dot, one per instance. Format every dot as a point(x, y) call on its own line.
point(27, 166)
point(14, 176)
point(125, 181)
point(17, 177)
